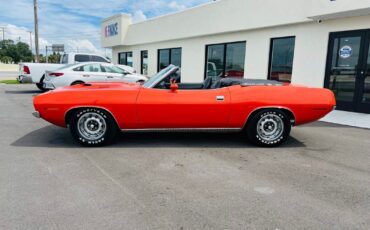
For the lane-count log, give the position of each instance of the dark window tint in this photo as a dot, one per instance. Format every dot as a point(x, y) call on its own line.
point(225, 60)
point(235, 59)
point(281, 59)
point(82, 58)
point(98, 59)
point(144, 62)
point(125, 58)
point(169, 56)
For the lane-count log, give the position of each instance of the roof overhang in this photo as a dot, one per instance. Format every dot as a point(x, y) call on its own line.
point(343, 14)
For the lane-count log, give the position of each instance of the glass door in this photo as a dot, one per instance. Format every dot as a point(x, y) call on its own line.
point(364, 94)
point(347, 68)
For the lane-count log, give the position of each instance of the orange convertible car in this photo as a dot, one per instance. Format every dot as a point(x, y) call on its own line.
point(264, 110)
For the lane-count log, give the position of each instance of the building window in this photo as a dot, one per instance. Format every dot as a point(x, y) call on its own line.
point(144, 62)
point(225, 60)
point(125, 58)
point(281, 59)
point(169, 56)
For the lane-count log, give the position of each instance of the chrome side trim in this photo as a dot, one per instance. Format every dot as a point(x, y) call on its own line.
point(270, 107)
point(221, 130)
point(36, 114)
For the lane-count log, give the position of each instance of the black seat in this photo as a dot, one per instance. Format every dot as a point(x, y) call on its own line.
point(207, 83)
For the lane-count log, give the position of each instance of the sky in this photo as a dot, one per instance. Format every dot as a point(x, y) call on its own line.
point(76, 23)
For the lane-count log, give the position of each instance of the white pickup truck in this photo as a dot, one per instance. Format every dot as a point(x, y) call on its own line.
point(35, 72)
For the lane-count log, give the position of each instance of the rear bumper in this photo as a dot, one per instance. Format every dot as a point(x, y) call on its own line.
point(24, 79)
point(47, 85)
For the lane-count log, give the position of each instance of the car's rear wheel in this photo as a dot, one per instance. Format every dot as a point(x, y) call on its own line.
point(93, 127)
point(41, 84)
point(77, 82)
point(269, 128)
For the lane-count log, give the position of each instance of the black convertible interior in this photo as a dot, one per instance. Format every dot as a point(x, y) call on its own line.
point(212, 82)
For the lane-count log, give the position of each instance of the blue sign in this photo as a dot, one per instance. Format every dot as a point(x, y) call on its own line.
point(111, 30)
point(345, 52)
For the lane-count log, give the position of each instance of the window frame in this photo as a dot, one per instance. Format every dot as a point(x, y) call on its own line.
point(224, 57)
point(169, 57)
point(125, 53)
point(82, 55)
point(271, 50)
point(142, 60)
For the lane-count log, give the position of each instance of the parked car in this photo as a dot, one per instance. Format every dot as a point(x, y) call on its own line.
point(35, 72)
point(265, 110)
point(90, 72)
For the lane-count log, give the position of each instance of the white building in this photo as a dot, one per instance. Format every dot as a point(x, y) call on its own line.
point(321, 43)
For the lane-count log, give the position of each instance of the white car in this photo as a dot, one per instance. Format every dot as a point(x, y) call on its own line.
point(35, 72)
point(90, 72)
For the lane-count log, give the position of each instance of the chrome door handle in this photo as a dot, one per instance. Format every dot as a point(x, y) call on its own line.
point(110, 77)
point(85, 75)
point(220, 98)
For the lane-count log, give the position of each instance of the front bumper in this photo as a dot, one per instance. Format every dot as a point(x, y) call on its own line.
point(36, 114)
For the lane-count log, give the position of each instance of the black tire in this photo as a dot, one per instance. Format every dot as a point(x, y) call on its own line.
point(92, 127)
point(77, 83)
point(268, 128)
point(41, 84)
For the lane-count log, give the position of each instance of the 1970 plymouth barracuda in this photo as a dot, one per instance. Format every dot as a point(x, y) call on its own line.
point(264, 110)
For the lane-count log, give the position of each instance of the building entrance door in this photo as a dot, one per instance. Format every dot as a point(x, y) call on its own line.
point(348, 70)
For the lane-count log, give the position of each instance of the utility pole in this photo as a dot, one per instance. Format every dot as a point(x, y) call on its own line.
point(35, 6)
point(30, 40)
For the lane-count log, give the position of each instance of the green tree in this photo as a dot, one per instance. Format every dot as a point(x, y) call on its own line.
point(54, 58)
point(17, 52)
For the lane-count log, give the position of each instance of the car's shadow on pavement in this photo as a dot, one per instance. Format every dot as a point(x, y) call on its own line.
point(23, 91)
point(53, 137)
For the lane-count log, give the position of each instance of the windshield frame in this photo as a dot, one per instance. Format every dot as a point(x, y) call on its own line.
point(153, 81)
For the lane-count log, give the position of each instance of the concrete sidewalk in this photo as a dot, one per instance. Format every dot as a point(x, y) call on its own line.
point(359, 120)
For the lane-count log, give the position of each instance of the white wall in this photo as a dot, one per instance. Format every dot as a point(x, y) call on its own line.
point(238, 15)
point(309, 58)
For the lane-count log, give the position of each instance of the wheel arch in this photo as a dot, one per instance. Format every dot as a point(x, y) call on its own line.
point(77, 81)
point(69, 113)
point(287, 111)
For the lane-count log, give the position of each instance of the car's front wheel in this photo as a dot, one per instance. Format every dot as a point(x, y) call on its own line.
point(269, 128)
point(93, 127)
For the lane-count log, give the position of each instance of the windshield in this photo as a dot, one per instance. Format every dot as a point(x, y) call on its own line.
point(160, 75)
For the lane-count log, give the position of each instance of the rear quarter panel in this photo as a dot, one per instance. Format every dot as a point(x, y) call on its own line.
point(307, 104)
point(54, 105)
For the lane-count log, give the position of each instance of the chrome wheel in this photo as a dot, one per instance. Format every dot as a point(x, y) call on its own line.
point(270, 127)
point(92, 126)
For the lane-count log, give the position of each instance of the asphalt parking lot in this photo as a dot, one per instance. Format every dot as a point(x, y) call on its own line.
point(319, 179)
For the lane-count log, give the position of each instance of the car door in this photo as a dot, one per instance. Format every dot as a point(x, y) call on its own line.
point(193, 109)
point(114, 74)
point(92, 73)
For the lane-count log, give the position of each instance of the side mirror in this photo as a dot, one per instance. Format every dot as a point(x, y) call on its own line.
point(174, 86)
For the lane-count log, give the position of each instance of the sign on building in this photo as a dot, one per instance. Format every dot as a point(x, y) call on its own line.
point(111, 30)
